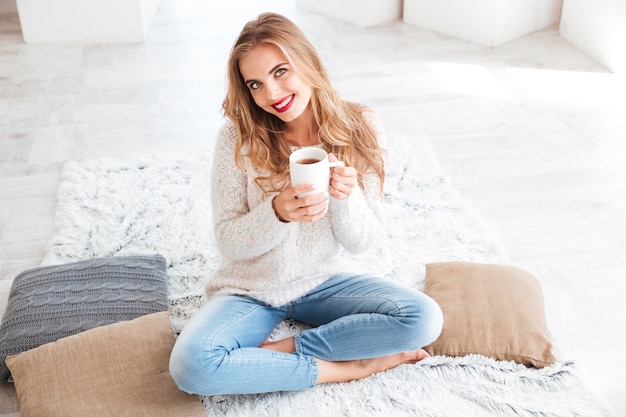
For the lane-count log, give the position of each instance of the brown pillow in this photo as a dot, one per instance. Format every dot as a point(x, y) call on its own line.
point(117, 370)
point(491, 310)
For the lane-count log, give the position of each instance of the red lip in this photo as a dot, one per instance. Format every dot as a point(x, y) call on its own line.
point(288, 99)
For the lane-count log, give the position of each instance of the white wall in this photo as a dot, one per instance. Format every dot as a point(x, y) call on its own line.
point(597, 28)
point(62, 21)
point(486, 22)
point(549, 13)
point(364, 13)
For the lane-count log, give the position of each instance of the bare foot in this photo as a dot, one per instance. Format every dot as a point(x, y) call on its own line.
point(350, 370)
point(375, 365)
point(359, 369)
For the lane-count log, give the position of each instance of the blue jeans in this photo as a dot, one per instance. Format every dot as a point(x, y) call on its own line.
point(355, 317)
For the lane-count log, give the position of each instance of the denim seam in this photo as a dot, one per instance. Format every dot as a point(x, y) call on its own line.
point(387, 299)
point(315, 371)
point(297, 340)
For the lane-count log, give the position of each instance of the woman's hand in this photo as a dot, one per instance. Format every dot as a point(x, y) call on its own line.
point(342, 180)
point(308, 209)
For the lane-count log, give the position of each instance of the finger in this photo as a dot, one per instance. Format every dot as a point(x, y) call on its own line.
point(338, 170)
point(348, 181)
point(301, 189)
point(315, 215)
point(286, 204)
point(310, 208)
point(345, 174)
point(309, 200)
point(340, 194)
point(336, 194)
point(341, 190)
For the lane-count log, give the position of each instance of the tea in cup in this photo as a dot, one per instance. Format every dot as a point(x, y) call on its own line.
point(311, 166)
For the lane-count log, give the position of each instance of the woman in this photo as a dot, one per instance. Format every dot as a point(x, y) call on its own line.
point(282, 256)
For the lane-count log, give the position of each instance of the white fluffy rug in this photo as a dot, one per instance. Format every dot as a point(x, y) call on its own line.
point(160, 204)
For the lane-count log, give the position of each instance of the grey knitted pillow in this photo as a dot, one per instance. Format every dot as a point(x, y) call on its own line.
point(52, 302)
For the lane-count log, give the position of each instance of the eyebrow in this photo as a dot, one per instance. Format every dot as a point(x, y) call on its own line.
point(269, 72)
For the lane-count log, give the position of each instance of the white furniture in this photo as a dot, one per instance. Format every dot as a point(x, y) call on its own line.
point(364, 13)
point(597, 28)
point(77, 21)
point(485, 22)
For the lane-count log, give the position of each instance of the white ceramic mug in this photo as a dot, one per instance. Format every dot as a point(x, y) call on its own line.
point(311, 166)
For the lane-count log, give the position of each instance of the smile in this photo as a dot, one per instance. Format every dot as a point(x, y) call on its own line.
point(284, 104)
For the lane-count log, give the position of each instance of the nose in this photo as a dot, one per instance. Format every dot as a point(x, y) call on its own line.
point(273, 91)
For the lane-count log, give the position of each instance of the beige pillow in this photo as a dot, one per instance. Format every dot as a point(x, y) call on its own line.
point(491, 310)
point(116, 370)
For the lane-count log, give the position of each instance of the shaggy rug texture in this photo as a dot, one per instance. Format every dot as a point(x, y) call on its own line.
point(161, 204)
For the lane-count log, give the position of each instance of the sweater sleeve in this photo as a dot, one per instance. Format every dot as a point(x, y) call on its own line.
point(242, 232)
point(358, 221)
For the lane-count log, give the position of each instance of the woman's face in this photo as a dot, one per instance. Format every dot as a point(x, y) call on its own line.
point(273, 83)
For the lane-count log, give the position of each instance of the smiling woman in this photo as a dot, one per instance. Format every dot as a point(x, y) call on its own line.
point(284, 253)
point(280, 96)
point(275, 88)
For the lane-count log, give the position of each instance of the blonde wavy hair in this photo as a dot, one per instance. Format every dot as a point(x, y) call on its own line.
point(341, 124)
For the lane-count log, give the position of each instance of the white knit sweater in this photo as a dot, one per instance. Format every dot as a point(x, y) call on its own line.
point(277, 262)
